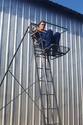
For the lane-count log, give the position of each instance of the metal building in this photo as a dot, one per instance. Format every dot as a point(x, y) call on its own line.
point(16, 107)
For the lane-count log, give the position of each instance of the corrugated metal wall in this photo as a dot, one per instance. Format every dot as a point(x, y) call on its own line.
point(67, 70)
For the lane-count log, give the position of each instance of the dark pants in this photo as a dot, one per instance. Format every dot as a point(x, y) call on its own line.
point(50, 38)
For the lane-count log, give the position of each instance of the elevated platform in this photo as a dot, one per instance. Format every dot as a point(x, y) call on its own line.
point(54, 51)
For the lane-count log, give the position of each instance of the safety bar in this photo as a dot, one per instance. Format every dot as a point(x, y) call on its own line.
point(64, 29)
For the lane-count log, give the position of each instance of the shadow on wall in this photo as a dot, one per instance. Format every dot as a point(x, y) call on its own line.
point(14, 4)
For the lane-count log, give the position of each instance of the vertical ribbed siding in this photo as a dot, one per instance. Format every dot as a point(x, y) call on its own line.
point(80, 79)
point(1, 25)
point(71, 80)
point(67, 70)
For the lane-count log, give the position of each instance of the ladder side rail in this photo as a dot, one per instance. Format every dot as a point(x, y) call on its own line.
point(39, 85)
point(55, 93)
point(47, 86)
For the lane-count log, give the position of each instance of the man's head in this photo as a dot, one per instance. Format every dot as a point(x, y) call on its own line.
point(41, 25)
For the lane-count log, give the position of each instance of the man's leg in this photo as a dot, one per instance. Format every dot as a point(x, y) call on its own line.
point(57, 38)
point(48, 38)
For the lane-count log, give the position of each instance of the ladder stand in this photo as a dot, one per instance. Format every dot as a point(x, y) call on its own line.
point(49, 106)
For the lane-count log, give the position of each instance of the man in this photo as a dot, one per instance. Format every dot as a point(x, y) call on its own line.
point(47, 36)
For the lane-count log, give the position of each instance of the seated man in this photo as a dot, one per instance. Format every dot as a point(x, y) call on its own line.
point(47, 36)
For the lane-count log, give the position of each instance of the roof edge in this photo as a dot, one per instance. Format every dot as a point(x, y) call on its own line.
point(59, 8)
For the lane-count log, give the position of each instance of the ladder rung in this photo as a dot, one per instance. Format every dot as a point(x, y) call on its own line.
point(36, 46)
point(38, 53)
point(38, 50)
point(39, 56)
